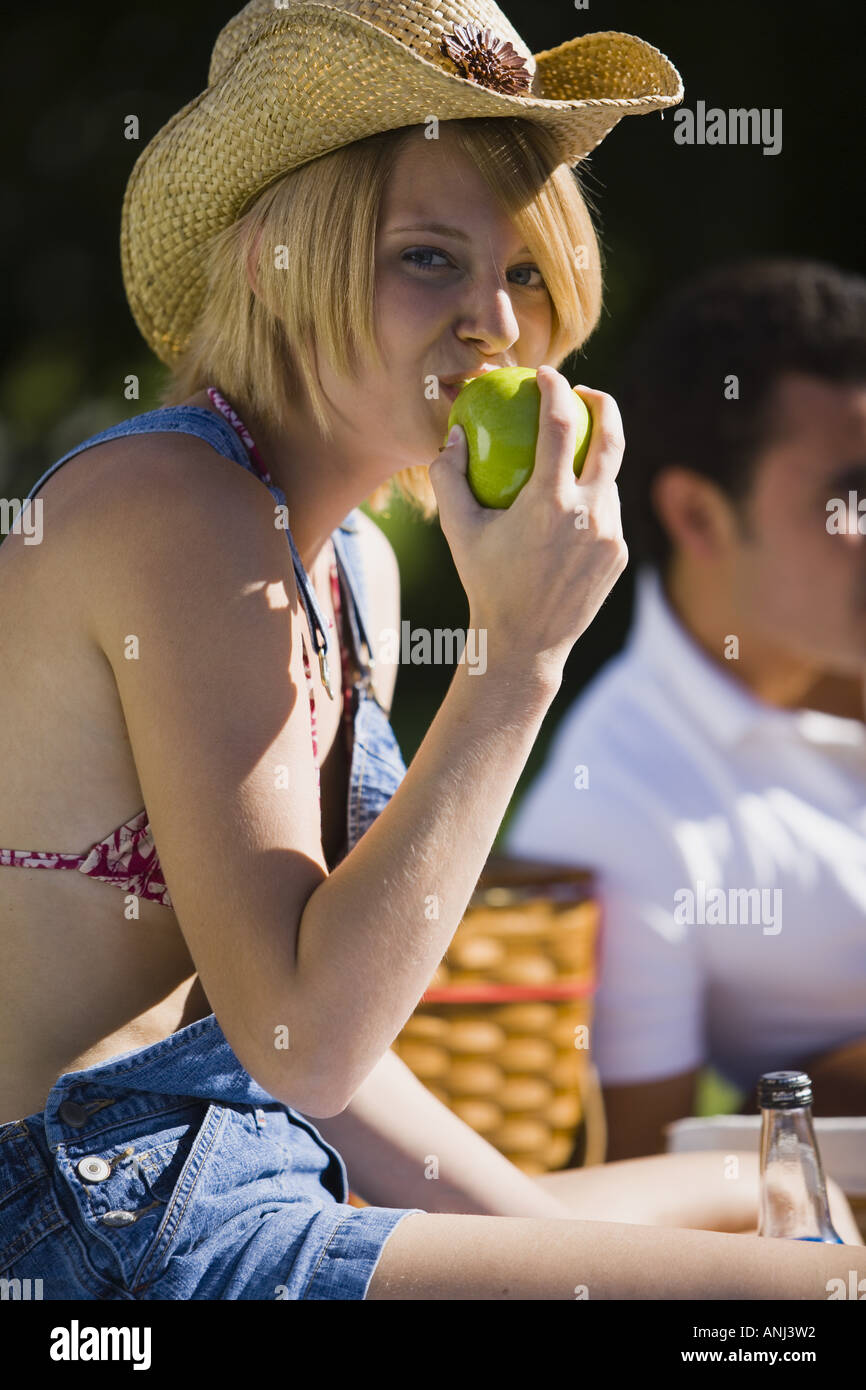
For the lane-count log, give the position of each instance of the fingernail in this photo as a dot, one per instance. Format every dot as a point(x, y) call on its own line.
point(453, 436)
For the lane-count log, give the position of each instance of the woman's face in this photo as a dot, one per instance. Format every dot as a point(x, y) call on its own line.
point(445, 303)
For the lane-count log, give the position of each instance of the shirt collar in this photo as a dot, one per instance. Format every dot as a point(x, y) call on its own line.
point(725, 709)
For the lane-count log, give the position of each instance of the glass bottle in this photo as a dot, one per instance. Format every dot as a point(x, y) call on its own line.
point(793, 1202)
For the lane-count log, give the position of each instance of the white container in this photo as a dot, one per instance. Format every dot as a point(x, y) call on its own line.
point(841, 1141)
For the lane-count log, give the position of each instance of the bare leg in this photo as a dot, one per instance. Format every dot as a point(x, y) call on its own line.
point(439, 1257)
point(713, 1191)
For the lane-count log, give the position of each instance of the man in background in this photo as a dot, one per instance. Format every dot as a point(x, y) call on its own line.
point(724, 816)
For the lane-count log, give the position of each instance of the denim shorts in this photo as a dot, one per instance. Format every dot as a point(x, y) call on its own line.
point(120, 1191)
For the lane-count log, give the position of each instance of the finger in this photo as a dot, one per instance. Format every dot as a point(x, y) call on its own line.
point(610, 513)
point(607, 441)
point(447, 473)
point(557, 436)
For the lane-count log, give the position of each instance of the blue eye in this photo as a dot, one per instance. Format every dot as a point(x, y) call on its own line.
point(418, 251)
point(533, 270)
point(422, 251)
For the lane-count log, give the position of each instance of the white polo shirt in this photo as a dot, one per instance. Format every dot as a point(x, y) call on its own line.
point(729, 839)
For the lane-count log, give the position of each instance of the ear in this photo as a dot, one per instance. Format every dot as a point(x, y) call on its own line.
point(696, 514)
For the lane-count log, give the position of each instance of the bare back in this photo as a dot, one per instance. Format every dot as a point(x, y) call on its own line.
point(82, 982)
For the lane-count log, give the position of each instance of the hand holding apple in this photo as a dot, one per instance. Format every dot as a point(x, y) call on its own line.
point(536, 572)
point(499, 413)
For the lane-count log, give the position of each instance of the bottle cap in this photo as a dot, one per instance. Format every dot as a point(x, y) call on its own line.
point(784, 1090)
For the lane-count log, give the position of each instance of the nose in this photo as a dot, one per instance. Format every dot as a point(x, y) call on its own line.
point(487, 316)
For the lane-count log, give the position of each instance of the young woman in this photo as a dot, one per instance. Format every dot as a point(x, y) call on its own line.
point(196, 629)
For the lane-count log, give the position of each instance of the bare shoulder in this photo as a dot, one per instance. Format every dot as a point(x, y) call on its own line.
point(155, 492)
point(147, 469)
point(113, 498)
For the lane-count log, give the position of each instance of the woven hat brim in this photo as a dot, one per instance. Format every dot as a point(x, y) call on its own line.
point(216, 154)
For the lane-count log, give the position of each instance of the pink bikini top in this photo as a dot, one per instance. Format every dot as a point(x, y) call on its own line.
point(127, 857)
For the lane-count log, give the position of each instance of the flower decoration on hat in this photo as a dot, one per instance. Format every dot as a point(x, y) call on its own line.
point(489, 61)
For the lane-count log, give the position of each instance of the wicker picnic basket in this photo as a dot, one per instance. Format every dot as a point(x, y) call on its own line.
point(501, 1035)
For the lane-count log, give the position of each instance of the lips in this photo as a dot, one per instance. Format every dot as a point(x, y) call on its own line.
point(451, 391)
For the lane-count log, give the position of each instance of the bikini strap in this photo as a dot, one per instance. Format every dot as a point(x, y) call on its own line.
point(315, 617)
point(347, 547)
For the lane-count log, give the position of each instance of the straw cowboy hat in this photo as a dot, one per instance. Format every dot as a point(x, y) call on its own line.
point(291, 80)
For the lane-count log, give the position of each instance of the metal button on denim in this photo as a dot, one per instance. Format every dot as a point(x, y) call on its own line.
point(71, 1113)
point(118, 1218)
point(93, 1168)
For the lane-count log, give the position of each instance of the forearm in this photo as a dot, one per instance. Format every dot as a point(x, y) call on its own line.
point(704, 1191)
point(373, 933)
point(699, 1191)
point(403, 1147)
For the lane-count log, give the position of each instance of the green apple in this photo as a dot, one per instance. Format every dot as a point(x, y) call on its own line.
point(499, 412)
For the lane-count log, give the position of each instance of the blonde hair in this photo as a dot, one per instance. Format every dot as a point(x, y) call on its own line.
point(258, 348)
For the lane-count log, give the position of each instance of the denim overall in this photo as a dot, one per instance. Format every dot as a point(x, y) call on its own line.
point(168, 1172)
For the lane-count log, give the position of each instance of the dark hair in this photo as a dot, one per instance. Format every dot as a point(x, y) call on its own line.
point(756, 320)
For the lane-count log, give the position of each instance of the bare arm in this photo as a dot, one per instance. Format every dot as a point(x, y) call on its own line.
point(193, 602)
point(403, 1147)
point(372, 935)
point(702, 1191)
point(384, 919)
point(191, 564)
